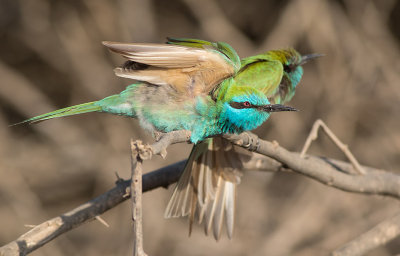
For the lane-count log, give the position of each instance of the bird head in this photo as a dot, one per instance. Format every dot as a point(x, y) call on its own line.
point(245, 108)
point(276, 73)
point(292, 63)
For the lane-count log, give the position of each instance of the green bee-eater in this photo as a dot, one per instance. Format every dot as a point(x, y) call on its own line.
point(191, 85)
point(207, 187)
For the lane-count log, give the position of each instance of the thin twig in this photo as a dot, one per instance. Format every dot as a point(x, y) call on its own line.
point(343, 147)
point(102, 221)
point(139, 152)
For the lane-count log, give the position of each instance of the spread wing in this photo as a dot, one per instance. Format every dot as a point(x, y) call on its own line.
point(187, 67)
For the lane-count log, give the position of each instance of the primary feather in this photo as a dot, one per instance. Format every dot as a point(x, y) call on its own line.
point(189, 70)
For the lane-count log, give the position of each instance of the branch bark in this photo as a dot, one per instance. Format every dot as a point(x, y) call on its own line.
point(324, 170)
point(331, 172)
point(139, 152)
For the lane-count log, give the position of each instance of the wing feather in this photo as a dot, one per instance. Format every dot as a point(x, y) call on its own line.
point(193, 70)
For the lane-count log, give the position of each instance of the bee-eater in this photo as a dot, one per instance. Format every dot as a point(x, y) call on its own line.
point(190, 84)
point(181, 87)
point(214, 166)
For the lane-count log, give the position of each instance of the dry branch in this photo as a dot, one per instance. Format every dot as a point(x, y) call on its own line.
point(334, 173)
point(139, 152)
point(326, 171)
point(343, 147)
point(48, 230)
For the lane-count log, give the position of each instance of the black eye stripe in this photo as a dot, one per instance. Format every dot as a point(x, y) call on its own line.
point(241, 105)
point(289, 68)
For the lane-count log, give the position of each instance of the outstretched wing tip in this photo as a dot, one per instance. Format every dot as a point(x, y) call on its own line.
point(105, 43)
point(113, 46)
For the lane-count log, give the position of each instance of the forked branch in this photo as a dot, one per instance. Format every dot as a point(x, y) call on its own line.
point(343, 147)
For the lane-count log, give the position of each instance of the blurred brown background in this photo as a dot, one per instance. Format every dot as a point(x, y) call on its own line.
point(51, 57)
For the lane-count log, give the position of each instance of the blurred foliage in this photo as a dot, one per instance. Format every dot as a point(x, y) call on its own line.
point(52, 57)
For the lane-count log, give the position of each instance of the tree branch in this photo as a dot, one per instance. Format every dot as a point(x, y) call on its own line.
point(48, 230)
point(139, 152)
point(331, 172)
point(324, 170)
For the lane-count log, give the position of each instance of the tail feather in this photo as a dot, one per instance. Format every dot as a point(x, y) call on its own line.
point(230, 207)
point(207, 188)
point(215, 217)
point(176, 205)
point(69, 111)
point(119, 104)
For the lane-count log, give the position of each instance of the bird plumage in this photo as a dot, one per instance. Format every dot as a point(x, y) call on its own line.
point(189, 70)
point(275, 74)
point(202, 87)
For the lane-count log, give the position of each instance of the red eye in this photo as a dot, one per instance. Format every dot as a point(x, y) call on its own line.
point(246, 104)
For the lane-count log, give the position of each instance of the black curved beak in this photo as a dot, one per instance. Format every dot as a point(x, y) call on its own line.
point(306, 58)
point(277, 108)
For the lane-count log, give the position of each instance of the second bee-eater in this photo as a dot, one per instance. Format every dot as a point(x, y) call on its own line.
point(214, 164)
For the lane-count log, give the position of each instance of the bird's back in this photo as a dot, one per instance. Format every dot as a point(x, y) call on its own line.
point(269, 72)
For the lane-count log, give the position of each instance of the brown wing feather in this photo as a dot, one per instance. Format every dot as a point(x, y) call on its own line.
point(188, 70)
